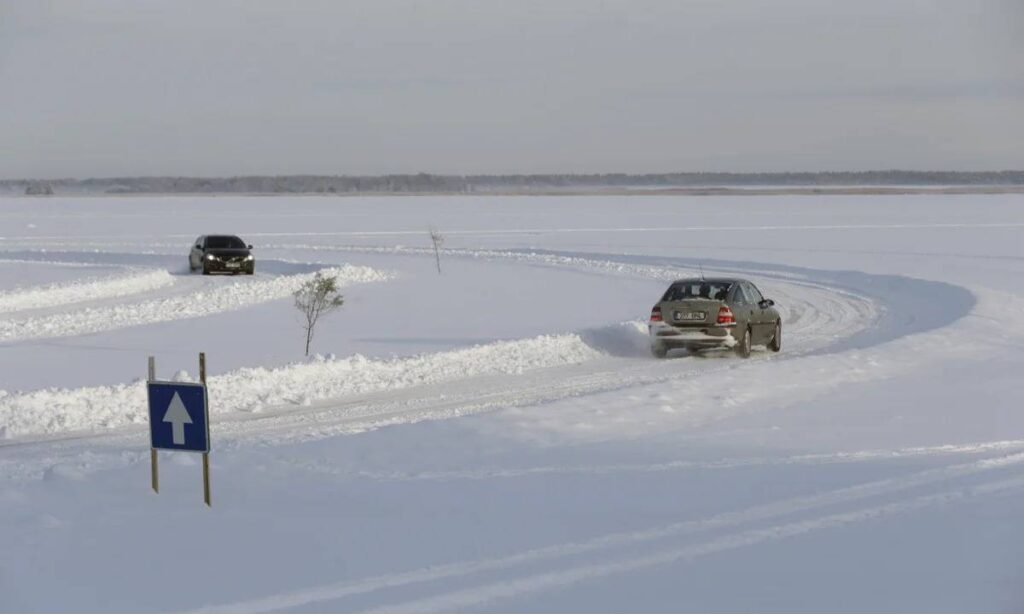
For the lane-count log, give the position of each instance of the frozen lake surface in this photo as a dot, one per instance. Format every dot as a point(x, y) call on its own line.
point(498, 437)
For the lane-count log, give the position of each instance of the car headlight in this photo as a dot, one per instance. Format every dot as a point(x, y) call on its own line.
point(250, 258)
point(210, 257)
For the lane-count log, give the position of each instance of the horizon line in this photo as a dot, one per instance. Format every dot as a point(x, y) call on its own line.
point(502, 175)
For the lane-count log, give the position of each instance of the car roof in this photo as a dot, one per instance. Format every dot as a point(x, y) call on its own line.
point(710, 280)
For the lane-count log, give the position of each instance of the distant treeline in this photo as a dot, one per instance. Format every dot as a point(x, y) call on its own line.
point(428, 183)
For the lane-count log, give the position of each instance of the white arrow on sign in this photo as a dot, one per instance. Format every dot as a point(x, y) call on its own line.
point(178, 416)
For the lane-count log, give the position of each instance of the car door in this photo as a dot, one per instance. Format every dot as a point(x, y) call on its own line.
point(743, 311)
point(195, 254)
point(771, 315)
point(761, 318)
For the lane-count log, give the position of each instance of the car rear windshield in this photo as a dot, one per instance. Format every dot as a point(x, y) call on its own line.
point(710, 290)
point(225, 243)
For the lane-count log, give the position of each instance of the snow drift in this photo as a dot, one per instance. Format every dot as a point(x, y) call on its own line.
point(134, 281)
point(226, 297)
point(54, 410)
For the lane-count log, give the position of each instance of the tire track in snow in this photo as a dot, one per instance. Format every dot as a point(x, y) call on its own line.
point(509, 589)
point(726, 520)
point(833, 458)
point(813, 313)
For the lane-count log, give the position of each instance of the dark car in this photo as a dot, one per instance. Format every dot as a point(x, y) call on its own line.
point(221, 253)
point(696, 314)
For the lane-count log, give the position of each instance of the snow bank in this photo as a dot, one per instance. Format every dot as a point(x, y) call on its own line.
point(225, 297)
point(52, 411)
point(626, 339)
point(54, 295)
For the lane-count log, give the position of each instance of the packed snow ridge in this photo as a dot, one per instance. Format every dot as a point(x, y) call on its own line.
point(226, 297)
point(135, 281)
point(52, 411)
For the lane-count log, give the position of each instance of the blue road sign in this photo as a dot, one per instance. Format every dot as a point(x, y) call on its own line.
point(178, 418)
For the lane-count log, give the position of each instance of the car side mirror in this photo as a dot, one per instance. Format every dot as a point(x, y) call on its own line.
point(766, 303)
point(199, 247)
point(250, 247)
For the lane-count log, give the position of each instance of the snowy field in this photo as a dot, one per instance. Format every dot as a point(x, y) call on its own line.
point(498, 437)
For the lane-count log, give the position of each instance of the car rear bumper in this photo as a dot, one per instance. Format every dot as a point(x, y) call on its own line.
point(667, 335)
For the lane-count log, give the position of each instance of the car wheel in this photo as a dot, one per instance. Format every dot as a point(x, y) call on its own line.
point(743, 347)
point(251, 271)
point(776, 343)
point(206, 271)
point(659, 350)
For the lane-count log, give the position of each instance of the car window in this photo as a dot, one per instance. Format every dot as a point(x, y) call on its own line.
point(198, 241)
point(739, 296)
point(753, 293)
point(224, 243)
point(686, 290)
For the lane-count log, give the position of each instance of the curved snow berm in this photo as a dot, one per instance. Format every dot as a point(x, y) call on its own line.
point(917, 322)
point(200, 303)
point(908, 305)
point(134, 281)
point(52, 411)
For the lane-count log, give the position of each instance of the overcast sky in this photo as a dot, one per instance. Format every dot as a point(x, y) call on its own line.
point(219, 87)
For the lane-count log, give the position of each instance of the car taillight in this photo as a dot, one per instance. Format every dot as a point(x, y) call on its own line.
point(656, 314)
point(725, 316)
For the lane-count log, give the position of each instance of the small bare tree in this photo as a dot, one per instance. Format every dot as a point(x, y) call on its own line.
point(315, 299)
point(438, 240)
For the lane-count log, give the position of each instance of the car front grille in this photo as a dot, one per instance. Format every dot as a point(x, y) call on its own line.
point(230, 259)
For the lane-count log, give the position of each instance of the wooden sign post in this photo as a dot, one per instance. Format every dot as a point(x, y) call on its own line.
point(206, 455)
point(179, 419)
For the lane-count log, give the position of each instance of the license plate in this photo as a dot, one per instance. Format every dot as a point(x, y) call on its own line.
point(690, 315)
point(233, 265)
